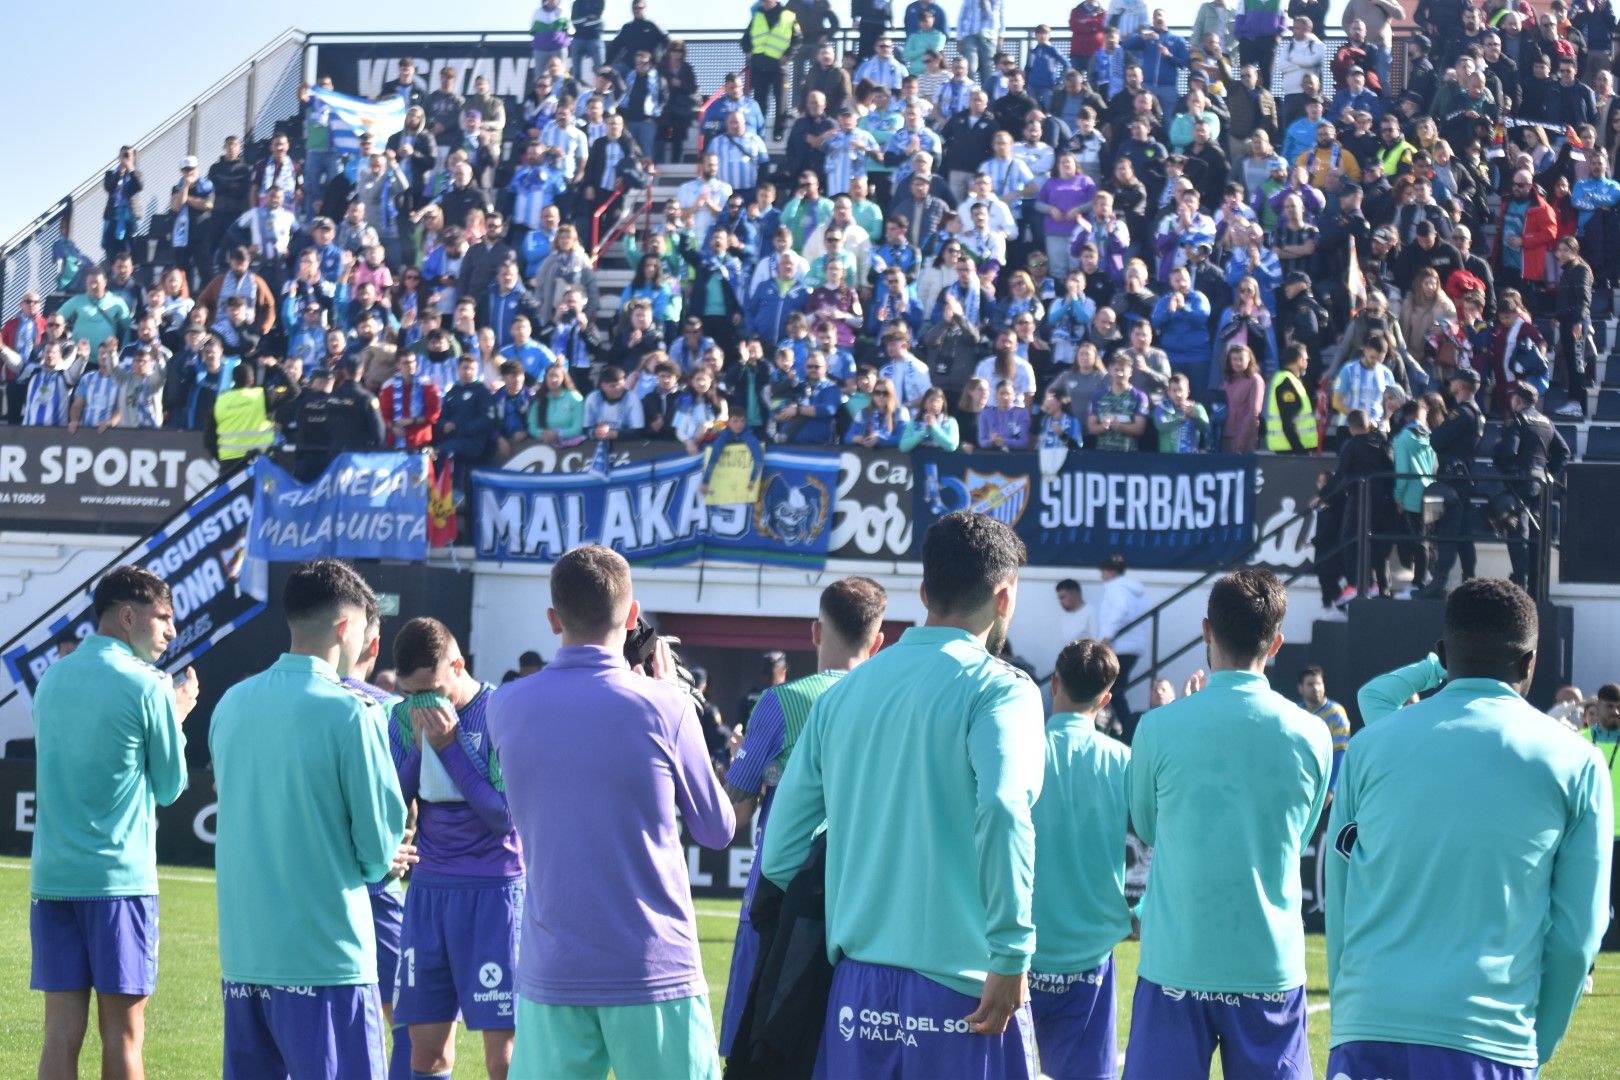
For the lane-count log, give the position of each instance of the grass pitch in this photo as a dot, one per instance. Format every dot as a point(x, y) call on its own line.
point(185, 1016)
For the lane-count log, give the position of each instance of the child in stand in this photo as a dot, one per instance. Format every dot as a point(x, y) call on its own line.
point(1182, 424)
point(735, 433)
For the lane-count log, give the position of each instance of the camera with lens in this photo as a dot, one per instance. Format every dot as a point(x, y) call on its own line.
point(640, 644)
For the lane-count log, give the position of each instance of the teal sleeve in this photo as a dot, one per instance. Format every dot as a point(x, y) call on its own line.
point(1338, 865)
point(1388, 692)
point(912, 436)
point(1006, 746)
point(1579, 910)
point(949, 436)
point(1139, 785)
point(573, 424)
point(165, 744)
point(371, 792)
point(799, 808)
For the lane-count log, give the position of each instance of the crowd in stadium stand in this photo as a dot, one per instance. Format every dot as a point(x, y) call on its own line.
point(1129, 244)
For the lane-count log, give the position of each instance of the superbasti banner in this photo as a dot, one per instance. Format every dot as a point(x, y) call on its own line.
point(1166, 511)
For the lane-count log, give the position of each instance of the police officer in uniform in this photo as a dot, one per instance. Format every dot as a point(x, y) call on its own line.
point(1530, 453)
point(359, 423)
point(1455, 443)
point(312, 443)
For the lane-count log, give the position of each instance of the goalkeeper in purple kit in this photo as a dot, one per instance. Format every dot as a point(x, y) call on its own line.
point(458, 946)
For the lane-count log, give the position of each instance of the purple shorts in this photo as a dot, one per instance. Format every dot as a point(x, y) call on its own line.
point(744, 954)
point(1075, 1023)
point(387, 917)
point(1409, 1061)
point(303, 1032)
point(1176, 1033)
point(107, 944)
point(457, 950)
point(883, 1021)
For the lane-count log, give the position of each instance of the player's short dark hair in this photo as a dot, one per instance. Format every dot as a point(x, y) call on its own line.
point(529, 658)
point(1490, 621)
point(1246, 609)
point(1308, 670)
point(1068, 583)
point(1114, 564)
point(1609, 692)
point(321, 586)
point(853, 608)
point(590, 590)
point(965, 556)
point(1087, 669)
point(129, 585)
point(421, 644)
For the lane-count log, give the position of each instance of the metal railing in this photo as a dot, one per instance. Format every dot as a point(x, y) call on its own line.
point(627, 221)
point(1362, 542)
point(248, 101)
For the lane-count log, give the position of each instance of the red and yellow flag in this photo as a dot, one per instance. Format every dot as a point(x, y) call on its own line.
point(441, 507)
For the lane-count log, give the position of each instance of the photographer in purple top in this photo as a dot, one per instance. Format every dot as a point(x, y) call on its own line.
point(610, 976)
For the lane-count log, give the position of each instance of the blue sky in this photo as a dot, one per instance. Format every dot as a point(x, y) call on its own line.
point(129, 67)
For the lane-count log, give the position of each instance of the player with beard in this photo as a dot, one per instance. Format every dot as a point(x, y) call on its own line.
point(924, 763)
point(847, 632)
point(459, 938)
point(1227, 784)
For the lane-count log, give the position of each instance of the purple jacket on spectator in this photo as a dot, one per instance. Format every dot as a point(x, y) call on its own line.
point(1112, 243)
point(603, 765)
point(1314, 200)
point(1078, 190)
point(474, 838)
point(1011, 424)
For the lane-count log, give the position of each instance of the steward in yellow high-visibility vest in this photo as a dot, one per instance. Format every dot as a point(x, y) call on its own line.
point(771, 34)
point(1290, 422)
point(240, 425)
point(770, 31)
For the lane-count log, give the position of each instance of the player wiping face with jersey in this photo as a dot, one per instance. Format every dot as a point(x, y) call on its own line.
point(458, 945)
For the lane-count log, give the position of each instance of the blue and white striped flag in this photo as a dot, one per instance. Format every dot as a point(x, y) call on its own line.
point(352, 115)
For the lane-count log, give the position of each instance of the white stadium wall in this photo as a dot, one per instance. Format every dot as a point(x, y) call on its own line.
point(509, 603)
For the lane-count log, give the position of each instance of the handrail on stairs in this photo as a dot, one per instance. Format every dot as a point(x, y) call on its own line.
point(1359, 573)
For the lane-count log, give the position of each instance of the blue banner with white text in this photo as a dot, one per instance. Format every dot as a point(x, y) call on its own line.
point(201, 552)
point(655, 513)
point(1076, 508)
point(364, 506)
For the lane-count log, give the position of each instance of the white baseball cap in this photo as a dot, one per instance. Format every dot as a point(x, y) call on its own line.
point(188, 162)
